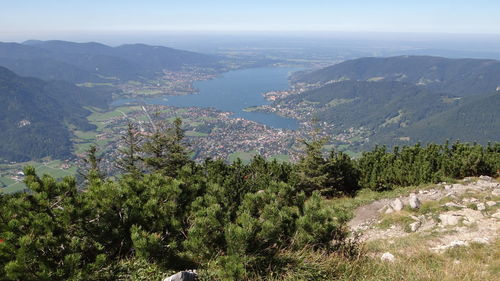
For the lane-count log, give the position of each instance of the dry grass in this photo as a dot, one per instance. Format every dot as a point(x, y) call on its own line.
point(414, 261)
point(401, 218)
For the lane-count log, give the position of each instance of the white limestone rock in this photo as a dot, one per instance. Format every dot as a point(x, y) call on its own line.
point(453, 205)
point(449, 219)
point(387, 257)
point(455, 243)
point(414, 201)
point(481, 206)
point(496, 192)
point(496, 215)
point(397, 205)
point(491, 203)
point(182, 276)
point(485, 178)
point(481, 240)
point(415, 226)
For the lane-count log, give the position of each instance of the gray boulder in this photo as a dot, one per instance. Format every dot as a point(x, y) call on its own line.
point(453, 205)
point(415, 226)
point(397, 205)
point(449, 219)
point(182, 276)
point(485, 178)
point(496, 192)
point(414, 201)
point(481, 206)
point(491, 203)
point(389, 210)
point(496, 215)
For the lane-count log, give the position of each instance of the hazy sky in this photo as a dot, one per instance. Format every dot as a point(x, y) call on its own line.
point(53, 16)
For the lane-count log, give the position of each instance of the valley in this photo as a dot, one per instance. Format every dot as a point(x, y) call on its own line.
point(232, 111)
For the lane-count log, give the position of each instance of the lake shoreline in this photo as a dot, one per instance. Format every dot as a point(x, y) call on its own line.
point(233, 91)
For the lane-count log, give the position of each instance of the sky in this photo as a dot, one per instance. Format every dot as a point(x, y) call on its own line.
point(32, 17)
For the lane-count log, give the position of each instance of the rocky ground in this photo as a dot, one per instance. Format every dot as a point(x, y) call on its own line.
point(442, 217)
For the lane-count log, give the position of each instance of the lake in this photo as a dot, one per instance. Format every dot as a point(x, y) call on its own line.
point(233, 91)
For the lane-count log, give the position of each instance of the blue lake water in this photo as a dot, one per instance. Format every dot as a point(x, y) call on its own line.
point(234, 91)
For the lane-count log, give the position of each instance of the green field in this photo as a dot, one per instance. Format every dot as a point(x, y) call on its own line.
point(84, 139)
point(81, 148)
point(196, 134)
point(55, 172)
point(280, 158)
point(5, 181)
point(100, 115)
point(244, 156)
point(89, 135)
point(13, 188)
point(104, 116)
point(90, 85)
point(52, 168)
point(252, 108)
point(353, 154)
point(136, 83)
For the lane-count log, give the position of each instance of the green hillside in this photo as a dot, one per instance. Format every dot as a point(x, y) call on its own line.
point(407, 99)
point(35, 115)
point(475, 119)
point(457, 76)
point(95, 62)
point(373, 105)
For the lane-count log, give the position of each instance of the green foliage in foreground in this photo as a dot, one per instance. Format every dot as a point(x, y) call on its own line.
point(230, 221)
point(415, 165)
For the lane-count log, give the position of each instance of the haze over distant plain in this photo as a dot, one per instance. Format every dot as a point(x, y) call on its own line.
point(47, 17)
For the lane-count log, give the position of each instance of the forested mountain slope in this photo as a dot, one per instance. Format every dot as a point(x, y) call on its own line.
point(457, 76)
point(408, 98)
point(34, 115)
point(474, 119)
point(375, 105)
point(95, 62)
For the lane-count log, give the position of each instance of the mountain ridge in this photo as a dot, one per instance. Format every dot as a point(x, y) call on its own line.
point(96, 62)
point(460, 76)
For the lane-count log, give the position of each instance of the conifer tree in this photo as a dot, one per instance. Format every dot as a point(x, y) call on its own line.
point(129, 162)
point(311, 169)
point(343, 175)
point(92, 171)
point(179, 154)
point(165, 150)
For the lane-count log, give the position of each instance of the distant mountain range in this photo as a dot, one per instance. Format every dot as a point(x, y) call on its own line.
point(35, 115)
point(409, 98)
point(95, 62)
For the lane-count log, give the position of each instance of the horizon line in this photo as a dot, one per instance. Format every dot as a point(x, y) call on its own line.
point(231, 31)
